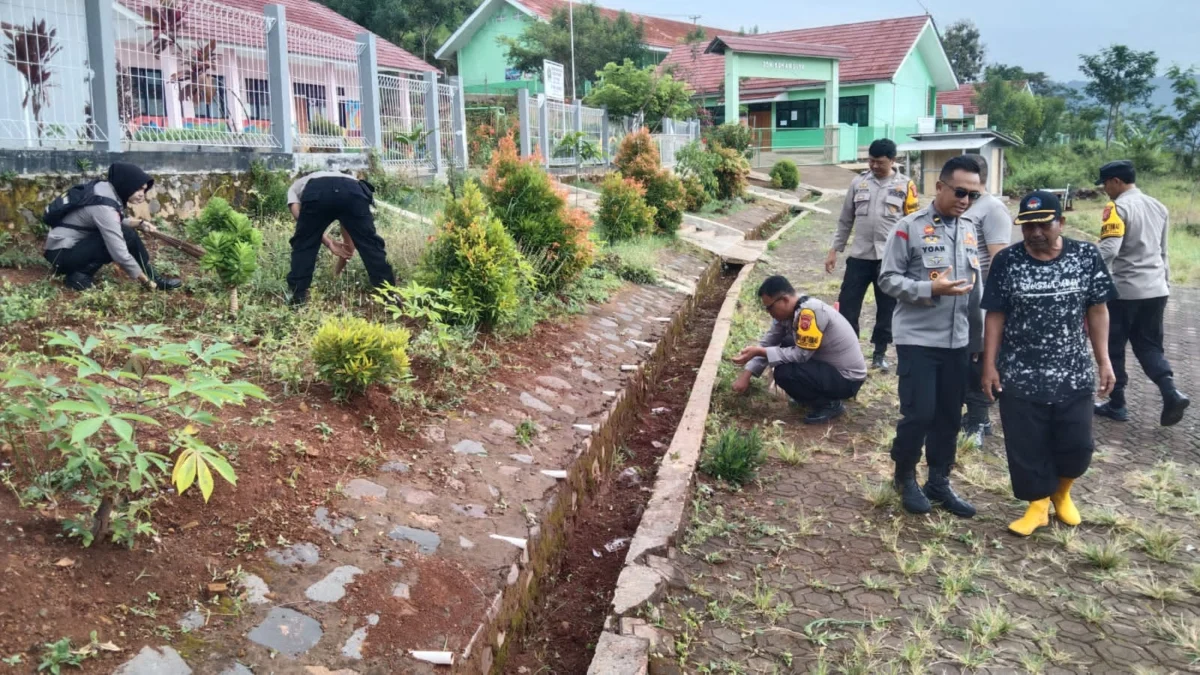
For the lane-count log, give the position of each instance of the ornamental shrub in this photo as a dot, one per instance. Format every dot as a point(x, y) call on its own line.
point(697, 163)
point(731, 170)
point(533, 207)
point(623, 212)
point(352, 353)
point(694, 196)
point(731, 135)
point(477, 260)
point(638, 158)
point(785, 175)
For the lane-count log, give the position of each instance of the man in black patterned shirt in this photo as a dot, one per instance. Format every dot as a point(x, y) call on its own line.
point(1038, 298)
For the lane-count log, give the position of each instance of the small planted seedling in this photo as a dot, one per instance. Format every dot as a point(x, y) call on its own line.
point(1152, 587)
point(526, 430)
point(733, 456)
point(1183, 632)
point(1089, 609)
point(1109, 554)
point(1159, 542)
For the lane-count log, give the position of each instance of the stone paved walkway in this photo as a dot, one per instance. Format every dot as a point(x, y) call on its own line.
point(814, 567)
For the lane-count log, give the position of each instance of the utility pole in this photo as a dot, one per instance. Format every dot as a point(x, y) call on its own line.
point(571, 19)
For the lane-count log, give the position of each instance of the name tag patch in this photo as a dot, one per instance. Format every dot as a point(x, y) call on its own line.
point(808, 334)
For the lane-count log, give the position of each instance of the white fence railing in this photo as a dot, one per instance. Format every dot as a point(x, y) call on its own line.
point(44, 76)
point(123, 75)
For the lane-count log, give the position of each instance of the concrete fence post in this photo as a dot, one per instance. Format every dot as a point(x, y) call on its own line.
point(433, 124)
point(604, 135)
point(102, 59)
point(368, 80)
point(523, 122)
point(460, 123)
point(279, 79)
point(544, 129)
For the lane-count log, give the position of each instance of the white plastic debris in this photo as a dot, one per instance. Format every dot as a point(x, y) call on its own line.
point(555, 473)
point(610, 393)
point(616, 544)
point(519, 543)
point(436, 658)
point(583, 427)
point(628, 368)
point(659, 410)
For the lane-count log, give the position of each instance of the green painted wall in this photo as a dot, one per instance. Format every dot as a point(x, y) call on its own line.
point(482, 61)
point(815, 138)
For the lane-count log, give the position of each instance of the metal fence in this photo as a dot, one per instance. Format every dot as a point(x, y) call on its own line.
point(124, 75)
point(45, 78)
point(193, 73)
point(326, 94)
point(674, 137)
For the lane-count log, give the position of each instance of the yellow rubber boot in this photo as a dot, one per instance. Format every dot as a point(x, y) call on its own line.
point(1038, 515)
point(1064, 508)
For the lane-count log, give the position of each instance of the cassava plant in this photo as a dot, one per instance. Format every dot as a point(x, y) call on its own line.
point(29, 50)
point(231, 245)
point(109, 430)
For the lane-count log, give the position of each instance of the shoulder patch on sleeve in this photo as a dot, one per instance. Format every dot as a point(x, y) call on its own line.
point(1112, 225)
point(808, 333)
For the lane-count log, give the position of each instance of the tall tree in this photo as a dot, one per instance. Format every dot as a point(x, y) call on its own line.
point(420, 27)
point(1036, 120)
point(1118, 76)
point(1185, 127)
point(629, 90)
point(1039, 82)
point(963, 48)
point(598, 40)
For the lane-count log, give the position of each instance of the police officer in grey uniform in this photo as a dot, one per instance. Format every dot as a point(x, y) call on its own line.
point(993, 229)
point(811, 348)
point(931, 266)
point(1133, 243)
point(877, 199)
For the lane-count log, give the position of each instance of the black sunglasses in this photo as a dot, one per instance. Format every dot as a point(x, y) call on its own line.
point(963, 193)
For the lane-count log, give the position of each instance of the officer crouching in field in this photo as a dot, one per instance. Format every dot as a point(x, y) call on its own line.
point(88, 230)
point(931, 266)
point(813, 351)
point(318, 199)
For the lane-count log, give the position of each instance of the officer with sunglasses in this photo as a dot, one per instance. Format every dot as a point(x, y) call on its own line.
point(931, 266)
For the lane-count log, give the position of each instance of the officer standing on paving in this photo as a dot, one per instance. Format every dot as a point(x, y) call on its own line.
point(993, 230)
point(877, 199)
point(318, 199)
point(931, 266)
point(1133, 242)
point(88, 230)
point(1038, 298)
point(811, 348)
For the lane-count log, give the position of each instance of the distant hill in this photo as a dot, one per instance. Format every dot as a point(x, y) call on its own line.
point(1162, 97)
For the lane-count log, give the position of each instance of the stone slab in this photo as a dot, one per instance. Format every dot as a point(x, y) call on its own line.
point(287, 631)
point(620, 655)
point(333, 587)
point(151, 661)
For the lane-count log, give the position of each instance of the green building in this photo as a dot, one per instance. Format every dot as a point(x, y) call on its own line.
point(482, 60)
point(871, 80)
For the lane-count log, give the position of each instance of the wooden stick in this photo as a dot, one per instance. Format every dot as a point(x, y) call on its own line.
point(194, 250)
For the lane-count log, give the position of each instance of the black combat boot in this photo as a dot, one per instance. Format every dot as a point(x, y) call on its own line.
point(1174, 402)
point(1117, 413)
point(939, 492)
point(79, 281)
point(879, 359)
point(824, 411)
point(911, 496)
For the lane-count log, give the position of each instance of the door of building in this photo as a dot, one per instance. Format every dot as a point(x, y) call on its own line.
point(761, 123)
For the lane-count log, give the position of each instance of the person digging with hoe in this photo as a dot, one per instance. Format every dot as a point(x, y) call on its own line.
point(812, 349)
point(931, 266)
point(1036, 358)
point(88, 230)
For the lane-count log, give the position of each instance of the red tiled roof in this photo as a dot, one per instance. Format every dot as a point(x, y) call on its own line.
point(757, 45)
point(663, 33)
point(877, 48)
point(964, 96)
point(311, 14)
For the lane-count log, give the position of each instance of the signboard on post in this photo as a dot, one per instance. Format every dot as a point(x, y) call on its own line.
point(553, 79)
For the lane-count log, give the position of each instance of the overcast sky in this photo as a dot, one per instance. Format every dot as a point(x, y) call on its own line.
point(1046, 35)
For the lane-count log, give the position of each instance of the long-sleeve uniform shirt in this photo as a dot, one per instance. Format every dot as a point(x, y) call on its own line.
point(816, 331)
point(1133, 243)
point(919, 251)
point(104, 219)
point(871, 210)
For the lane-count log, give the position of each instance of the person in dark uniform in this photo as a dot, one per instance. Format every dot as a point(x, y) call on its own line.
point(813, 351)
point(1133, 242)
point(88, 230)
point(1038, 297)
point(318, 199)
point(877, 199)
point(931, 266)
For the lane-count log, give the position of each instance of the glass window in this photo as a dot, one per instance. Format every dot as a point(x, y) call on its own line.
point(798, 114)
point(258, 99)
point(148, 90)
point(853, 110)
point(210, 99)
point(311, 98)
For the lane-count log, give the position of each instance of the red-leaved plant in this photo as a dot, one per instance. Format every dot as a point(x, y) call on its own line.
point(29, 50)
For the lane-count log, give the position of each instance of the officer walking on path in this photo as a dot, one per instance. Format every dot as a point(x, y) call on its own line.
point(318, 199)
point(931, 266)
point(877, 199)
point(1133, 242)
point(812, 349)
point(993, 230)
point(88, 230)
point(1038, 297)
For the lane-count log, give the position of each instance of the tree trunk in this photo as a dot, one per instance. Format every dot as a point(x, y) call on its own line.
point(102, 518)
point(233, 301)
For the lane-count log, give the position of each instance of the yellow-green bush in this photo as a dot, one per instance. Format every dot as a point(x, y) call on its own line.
point(351, 354)
point(785, 175)
point(638, 159)
point(732, 170)
point(623, 213)
point(477, 260)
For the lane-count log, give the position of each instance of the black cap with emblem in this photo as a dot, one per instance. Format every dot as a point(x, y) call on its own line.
point(1039, 207)
point(1122, 168)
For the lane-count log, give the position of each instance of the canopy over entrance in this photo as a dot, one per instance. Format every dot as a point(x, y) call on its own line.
point(762, 57)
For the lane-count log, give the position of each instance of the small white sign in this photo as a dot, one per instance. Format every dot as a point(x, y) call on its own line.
point(553, 79)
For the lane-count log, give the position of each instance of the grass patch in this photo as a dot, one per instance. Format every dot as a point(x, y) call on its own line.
point(991, 622)
point(1159, 542)
point(1151, 586)
point(880, 493)
point(733, 456)
point(1182, 632)
point(1110, 553)
point(1089, 609)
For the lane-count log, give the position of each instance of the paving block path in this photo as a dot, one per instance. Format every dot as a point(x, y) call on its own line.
point(813, 567)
